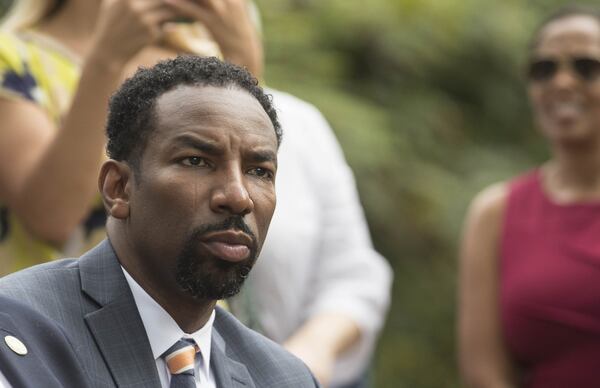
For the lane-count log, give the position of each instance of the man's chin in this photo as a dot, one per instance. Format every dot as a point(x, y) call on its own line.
point(215, 294)
point(207, 277)
point(213, 286)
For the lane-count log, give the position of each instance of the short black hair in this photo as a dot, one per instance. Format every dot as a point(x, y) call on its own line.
point(564, 12)
point(131, 115)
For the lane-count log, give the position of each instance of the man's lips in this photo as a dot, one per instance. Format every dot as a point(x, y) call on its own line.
point(230, 245)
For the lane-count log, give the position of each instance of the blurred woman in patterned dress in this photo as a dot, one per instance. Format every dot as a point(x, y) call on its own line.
point(60, 60)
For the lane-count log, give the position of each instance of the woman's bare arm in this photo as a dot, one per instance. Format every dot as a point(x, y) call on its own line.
point(484, 360)
point(48, 175)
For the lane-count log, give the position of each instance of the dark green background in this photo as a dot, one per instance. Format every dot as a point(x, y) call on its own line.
point(428, 100)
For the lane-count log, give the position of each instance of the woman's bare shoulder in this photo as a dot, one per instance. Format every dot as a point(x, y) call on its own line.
point(484, 217)
point(490, 201)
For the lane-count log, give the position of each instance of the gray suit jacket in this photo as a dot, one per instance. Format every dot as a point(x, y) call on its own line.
point(50, 361)
point(91, 299)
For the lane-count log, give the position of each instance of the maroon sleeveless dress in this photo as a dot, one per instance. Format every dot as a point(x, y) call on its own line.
point(550, 287)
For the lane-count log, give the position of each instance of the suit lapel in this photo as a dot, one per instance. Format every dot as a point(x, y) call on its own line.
point(228, 372)
point(116, 326)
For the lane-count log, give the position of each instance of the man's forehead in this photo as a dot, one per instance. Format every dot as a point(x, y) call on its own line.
point(202, 101)
point(205, 97)
point(181, 92)
point(210, 107)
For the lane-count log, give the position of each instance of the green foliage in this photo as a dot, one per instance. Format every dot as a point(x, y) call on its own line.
point(4, 6)
point(428, 100)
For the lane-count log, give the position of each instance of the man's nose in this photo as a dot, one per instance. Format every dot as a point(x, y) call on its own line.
point(231, 196)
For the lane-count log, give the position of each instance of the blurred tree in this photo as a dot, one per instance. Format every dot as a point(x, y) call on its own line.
point(4, 5)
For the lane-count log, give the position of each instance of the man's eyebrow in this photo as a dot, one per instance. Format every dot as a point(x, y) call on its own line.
point(199, 144)
point(262, 156)
point(256, 156)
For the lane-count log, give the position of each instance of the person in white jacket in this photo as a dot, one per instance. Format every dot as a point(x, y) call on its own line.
point(319, 287)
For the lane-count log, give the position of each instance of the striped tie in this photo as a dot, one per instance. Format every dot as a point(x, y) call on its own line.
point(180, 360)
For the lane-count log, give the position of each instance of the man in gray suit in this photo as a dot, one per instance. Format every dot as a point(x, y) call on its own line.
point(189, 190)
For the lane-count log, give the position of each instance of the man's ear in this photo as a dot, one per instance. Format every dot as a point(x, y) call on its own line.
point(115, 182)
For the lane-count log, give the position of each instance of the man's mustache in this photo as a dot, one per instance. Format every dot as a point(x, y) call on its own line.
point(233, 222)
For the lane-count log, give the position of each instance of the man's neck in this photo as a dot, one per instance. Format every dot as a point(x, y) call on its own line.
point(190, 317)
point(191, 314)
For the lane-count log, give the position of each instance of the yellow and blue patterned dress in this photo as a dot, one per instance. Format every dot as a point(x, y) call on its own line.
point(37, 69)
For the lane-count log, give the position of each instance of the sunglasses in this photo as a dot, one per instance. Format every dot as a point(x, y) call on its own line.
point(586, 68)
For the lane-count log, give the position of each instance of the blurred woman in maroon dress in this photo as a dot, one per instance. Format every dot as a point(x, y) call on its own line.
point(529, 309)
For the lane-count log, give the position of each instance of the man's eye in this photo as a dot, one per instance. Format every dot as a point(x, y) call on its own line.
point(194, 161)
point(262, 172)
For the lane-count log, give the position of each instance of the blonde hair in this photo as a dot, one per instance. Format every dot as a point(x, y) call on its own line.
point(26, 13)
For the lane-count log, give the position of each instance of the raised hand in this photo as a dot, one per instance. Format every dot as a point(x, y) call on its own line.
point(124, 27)
point(230, 24)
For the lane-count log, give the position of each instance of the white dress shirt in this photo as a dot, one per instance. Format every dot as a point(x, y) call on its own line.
point(318, 256)
point(163, 332)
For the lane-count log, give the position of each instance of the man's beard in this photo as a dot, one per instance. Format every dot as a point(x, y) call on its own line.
point(207, 276)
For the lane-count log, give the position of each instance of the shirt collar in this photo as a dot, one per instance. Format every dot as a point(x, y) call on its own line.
point(161, 328)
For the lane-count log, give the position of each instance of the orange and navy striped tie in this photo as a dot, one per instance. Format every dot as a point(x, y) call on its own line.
point(180, 361)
